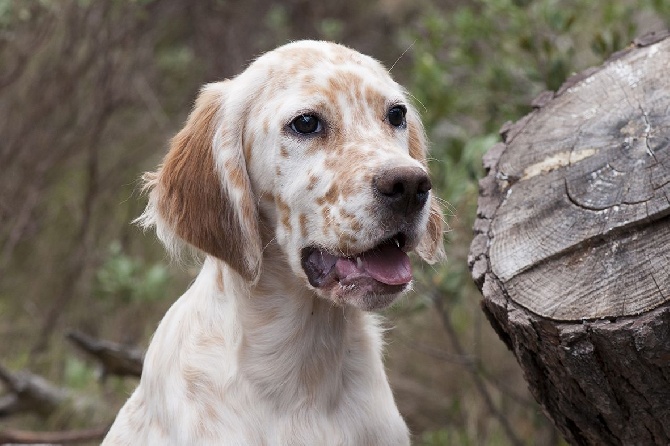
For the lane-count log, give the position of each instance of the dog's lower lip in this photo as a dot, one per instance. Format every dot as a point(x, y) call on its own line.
point(386, 264)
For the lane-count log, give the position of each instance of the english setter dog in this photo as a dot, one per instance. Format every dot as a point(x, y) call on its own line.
point(304, 182)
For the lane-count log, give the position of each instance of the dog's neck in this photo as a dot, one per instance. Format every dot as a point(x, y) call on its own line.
point(295, 347)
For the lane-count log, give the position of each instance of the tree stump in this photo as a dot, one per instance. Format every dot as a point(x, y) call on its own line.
point(572, 248)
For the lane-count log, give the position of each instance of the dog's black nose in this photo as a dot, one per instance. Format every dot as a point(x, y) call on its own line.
point(404, 190)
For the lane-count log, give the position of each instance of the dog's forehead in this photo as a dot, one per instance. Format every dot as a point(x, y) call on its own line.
point(308, 55)
point(316, 62)
point(319, 72)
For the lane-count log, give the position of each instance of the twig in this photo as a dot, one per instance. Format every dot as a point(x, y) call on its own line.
point(115, 359)
point(471, 367)
point(470, 361)
point(29, 393)
point(433, 352)
point(10, 436)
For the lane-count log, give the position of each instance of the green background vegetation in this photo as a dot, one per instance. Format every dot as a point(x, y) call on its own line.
point(90, 91)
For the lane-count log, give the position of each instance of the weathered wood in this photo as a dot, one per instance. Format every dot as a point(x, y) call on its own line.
point(572, 248)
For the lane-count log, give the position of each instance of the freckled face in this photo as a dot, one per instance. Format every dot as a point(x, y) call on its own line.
point(338, 121)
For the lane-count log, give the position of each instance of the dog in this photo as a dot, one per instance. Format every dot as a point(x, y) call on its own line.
point(304, 182)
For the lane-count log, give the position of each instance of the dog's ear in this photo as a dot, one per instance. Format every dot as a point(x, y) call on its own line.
point(431, 246)
point(201, 193)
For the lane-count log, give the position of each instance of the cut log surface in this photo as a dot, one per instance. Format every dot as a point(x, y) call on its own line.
point(572, 248)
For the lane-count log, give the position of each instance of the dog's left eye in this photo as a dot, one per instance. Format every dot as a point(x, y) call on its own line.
point(396, 116)
point(306, 124)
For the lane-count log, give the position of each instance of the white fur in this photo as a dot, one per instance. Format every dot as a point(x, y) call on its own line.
point(269, 360)
point(248, 360)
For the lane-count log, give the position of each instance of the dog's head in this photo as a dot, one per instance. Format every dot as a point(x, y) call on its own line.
point(316, 142)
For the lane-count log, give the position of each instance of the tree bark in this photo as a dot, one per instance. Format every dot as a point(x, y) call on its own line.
point(572, 248)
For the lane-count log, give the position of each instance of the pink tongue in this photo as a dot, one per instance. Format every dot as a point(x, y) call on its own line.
point(387, 264)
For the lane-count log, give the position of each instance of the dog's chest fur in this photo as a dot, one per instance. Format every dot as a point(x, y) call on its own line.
point(312, 375)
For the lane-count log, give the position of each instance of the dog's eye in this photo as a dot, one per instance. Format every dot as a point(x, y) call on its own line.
point(306, 124)
point(396, 115)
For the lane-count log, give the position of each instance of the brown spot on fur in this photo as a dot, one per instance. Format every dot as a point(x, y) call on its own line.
point(219, 278)
point(333, 194)
point(283, 151)
point(354, 223)
point(325, 213)
point(431, 247)
point(348, 189)
point(197, 383)
point(348, 239)
point(277, 171)
point(303, 225)
point(312, 182)
point(376, 101)
point(344, 81)
point(346, 215)
point(353, 178)
point(300, 60)
point(210, 413)
point(343, 55)
point(284, 212)
point(268, 197)
point(417, 138)
point(332, 163)
point(249, 210)
point(235, 174)
point(209, 341)
point(248, 145)
point(198, 387)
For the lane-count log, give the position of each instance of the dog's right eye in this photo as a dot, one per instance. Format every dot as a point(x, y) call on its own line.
point(306, 124)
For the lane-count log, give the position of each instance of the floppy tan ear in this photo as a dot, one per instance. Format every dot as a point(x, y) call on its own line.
point(431, 246)
point(201, 193)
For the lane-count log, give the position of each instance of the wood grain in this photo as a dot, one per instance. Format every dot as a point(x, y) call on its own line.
point(572, 248)
point(582, 180)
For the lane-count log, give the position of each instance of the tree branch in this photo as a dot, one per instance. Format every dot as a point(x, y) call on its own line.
point(64, 437)
point(29, 393)
point(471, 367)
point(115, 359)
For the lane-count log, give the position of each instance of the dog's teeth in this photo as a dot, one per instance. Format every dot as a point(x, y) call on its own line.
point(397, 243)
point(359, 262)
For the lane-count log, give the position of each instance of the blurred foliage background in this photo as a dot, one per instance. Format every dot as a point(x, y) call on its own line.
point(90, 92)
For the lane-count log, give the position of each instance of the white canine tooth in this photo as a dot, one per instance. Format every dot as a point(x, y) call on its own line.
point(359, 262)
point(397, 243)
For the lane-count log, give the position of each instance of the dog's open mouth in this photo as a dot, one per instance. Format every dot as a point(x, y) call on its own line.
point(384, 269)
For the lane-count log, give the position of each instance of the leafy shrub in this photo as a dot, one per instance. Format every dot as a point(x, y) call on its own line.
point(129, 279)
